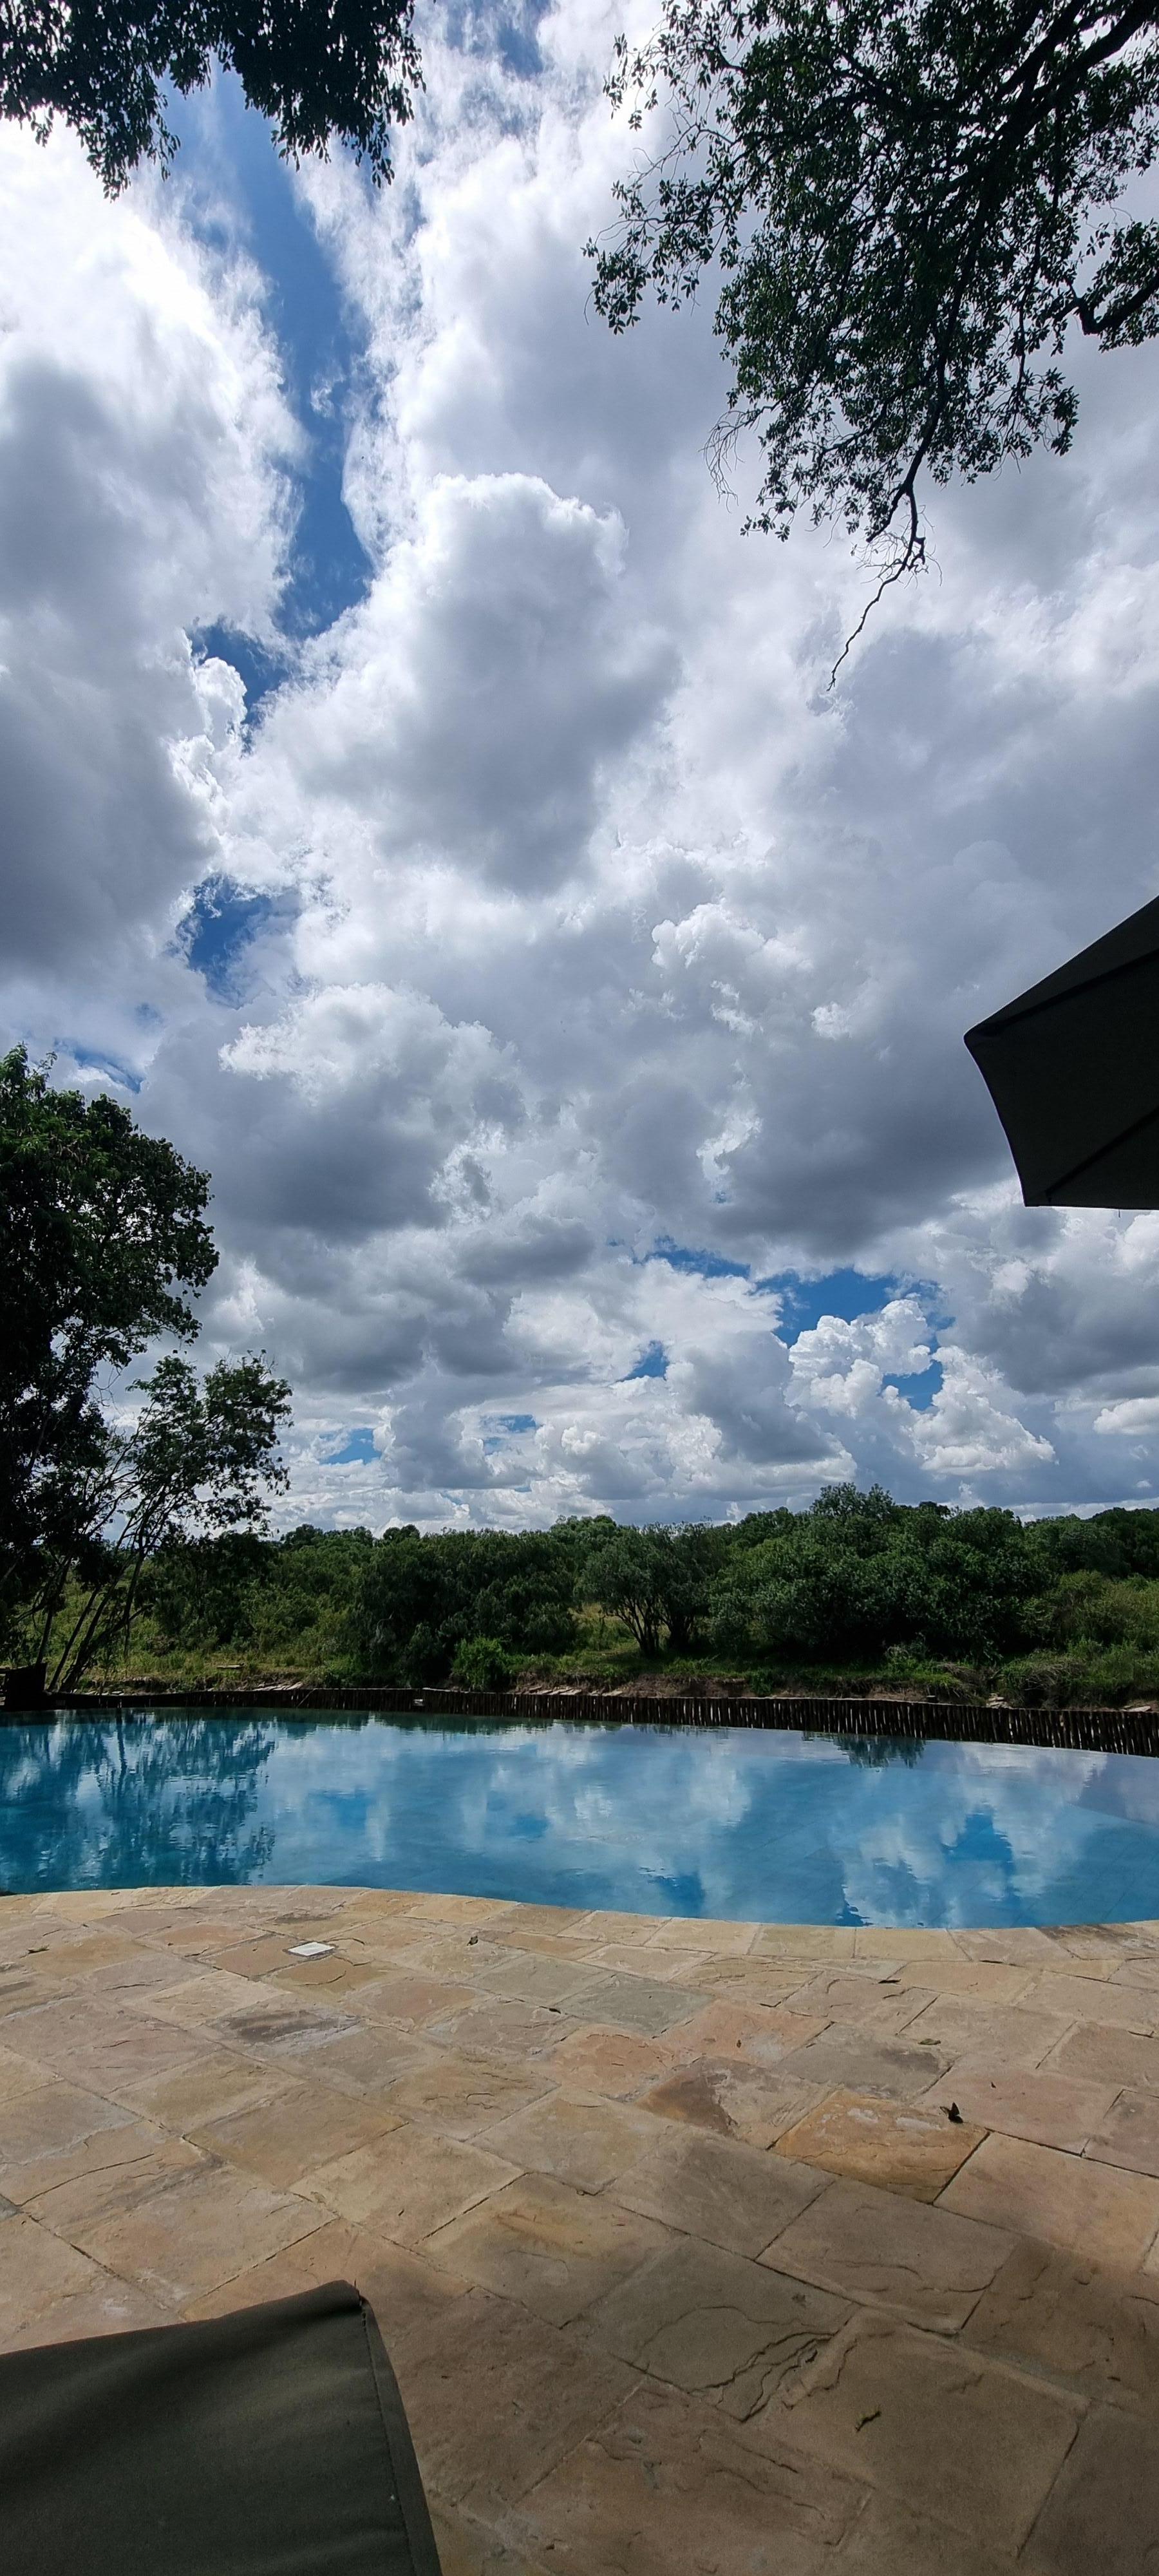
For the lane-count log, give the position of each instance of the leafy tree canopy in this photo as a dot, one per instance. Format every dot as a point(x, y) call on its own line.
point(906, 205)
point(104, 1235)
point(320, 70)
point(197, 1462)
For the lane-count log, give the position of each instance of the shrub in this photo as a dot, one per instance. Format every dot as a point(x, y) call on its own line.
point(481, 1663)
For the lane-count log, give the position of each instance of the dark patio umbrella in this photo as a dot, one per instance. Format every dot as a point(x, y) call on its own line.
point(1072, 1067)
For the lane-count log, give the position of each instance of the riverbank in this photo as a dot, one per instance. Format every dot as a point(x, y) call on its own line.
point(1092, 1730)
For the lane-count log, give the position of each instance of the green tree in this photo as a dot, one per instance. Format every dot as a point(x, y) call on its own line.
point(198, 1460)
point(905, 207)
point(103, 1233)
point(320, 70)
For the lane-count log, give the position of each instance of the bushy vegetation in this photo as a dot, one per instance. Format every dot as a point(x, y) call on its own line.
point(856, 1591)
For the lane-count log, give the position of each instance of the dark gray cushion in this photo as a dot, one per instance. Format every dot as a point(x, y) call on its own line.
point(268, 2443)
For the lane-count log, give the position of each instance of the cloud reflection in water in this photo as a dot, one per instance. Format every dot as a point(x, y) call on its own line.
point(659, 1820)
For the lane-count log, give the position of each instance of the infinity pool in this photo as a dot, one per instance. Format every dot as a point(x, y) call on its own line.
point(644, 1819)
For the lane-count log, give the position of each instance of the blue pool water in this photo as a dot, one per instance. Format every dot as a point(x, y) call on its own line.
point(644, 1819)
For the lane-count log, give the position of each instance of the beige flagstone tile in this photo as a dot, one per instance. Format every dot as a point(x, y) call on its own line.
point(748, 1980)
point(1096, 1999)
point(336, 1974)
point(888, 2540)
point(857, 1997)
point(208, 2088)
point(470, 2547)
point(1103, 2511)
point(865, 2061)
point(730, 2098)
point(670, 2486)
point(615, 2062)
point(37, 2273)
point(103, 2050)
point(526, 1979)
point(207, 1998)
point(869, 1943)
point(1127, 2135)
point(286, 2139)
point(501, 2029)
point(1094, 2330)
point(107, 2307)
point(369, 2059)
point(78, 1954)
point(90, 1904)
point(1098, 1945)
point(1088, 2208)
point(647, 1959)
point(256, 1958)
point(410, 1997)
point(408, 2294)
point(636, 1928)
point(457, 2097)
point(477, 1910)
point(376, 1903)
point(759, 2034)
point(450, 1950)
point(187, 2231)
point(23, 1988)
point(965, 2026)
point(18, 2076)
point(953, 2437)
point(732, 2195)
point(400, 2187)
point(583, 2143)
point(1020, 1944)
point(283, 2027)
point(635, 2003)
point(928, 2264)
point(554, 2248)
point(704, 1932)
point(1104, 2055)
point(1054, 2110)
point(495, 2397)
point(61, 2132)
point(1139, 1970)
point(803, 1941)
point(980, 1981)
point(86, 2199)
point(900, 2146)
point(716, 2324)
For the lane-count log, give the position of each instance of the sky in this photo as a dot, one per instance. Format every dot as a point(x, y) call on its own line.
point(427, 807)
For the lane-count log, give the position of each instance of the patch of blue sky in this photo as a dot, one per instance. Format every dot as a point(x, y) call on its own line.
point(220, 925)
point(511, 32)
point(227, 153)
point(708, 1265)
point(920, 1390)
point(502, 1427)
point(652, 1363)
point(111, 1068)
point(844, 1293)
point(355, 1450)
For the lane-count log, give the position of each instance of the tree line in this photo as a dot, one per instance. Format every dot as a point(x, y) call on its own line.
point(855, 1584)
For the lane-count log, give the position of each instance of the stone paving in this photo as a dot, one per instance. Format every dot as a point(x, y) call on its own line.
point(701, 2249)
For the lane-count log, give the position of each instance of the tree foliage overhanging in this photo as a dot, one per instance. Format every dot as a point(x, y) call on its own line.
point(906, 204)
point(320, 70)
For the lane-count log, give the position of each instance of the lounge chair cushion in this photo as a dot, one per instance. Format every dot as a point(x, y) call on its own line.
point(267, 2443)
